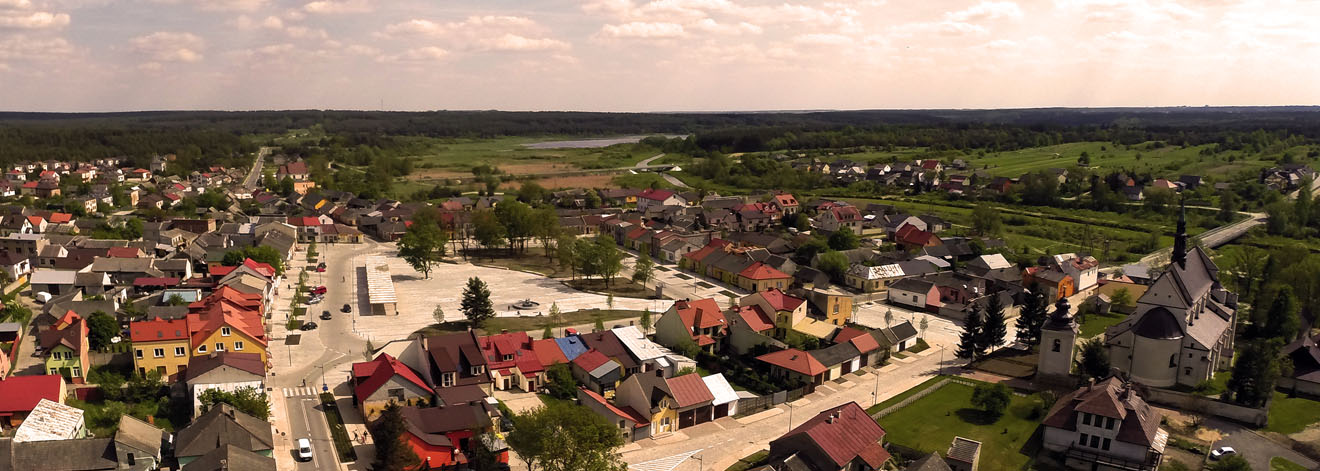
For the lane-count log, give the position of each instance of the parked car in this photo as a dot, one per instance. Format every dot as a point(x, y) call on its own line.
point(325, 315)
point(304, 449)
point(346, 308)
point(42, 297)
point(308, 326)
point(320, 269)
point(315, 300)
point(319, 290)
point(1221, 452)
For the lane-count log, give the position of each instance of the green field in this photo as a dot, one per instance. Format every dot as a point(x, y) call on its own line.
point(1097, 323)
point(1169, 160)
point(1279, 463)
point(1292, 414)
point(462, 154)
point(930, 423)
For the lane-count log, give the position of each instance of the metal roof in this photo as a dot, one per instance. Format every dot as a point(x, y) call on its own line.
point(380, 287)
point(720, 388)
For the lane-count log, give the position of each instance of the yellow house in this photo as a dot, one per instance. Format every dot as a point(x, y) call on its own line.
point(649, 395)
point(226, 331)
point(160, 345)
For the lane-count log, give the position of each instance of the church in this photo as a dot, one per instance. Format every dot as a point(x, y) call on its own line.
point(1182, 329)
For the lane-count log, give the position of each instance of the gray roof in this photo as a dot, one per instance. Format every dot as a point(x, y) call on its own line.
point(835, 354)
point(904, 330)
point(223, 425)
point(139, 435)
point(61, 455)
point(931, 462)
point(231, 458)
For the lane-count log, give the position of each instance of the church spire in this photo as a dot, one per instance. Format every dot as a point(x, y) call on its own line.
point(1180, 239)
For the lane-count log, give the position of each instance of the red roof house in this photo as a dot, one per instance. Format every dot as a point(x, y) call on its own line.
point(20, 394)
point(794, 363)
point(384, 380)
point(843, 437)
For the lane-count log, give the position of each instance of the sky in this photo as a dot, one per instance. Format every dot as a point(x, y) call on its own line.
point(654, 55)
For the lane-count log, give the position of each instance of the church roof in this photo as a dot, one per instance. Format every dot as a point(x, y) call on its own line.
point(1159, 323)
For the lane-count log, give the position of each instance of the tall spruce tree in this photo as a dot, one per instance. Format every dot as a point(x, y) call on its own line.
point(392, 454)
point(1032, 318)
point(476, 302)
point(995, 330)
point(969, 341)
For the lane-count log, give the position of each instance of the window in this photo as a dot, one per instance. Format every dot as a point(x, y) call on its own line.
point(180, 351)
point(158, 353)
point(1086, 418)
point(201, 349)
point(224, 331)
point(1082, 442)
point(508, 357)
point(77, 372)
point(1109, 423)
point(238, 345)
point(219, 347)
point(476, 370)
point(1095, 441)
point(1187, 371)
point(448, 380)
point(54, 371)
point(1105, 445)
point(139, 353)
point(1057, 344)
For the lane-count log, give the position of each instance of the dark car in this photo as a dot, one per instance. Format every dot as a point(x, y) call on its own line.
point(308, 326)
point(346, 308)
point(325, 315)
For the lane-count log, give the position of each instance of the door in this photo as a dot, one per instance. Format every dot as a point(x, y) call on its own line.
point(703, 414)
point(865, 359)
point(847, 367)
point(687, 419)
point(722, 410)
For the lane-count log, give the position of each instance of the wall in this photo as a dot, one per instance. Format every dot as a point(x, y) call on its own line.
point(1257, 417)
point(1304, 387)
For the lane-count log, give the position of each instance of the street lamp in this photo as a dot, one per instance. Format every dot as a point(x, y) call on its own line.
point(324, 387)
point(701, 463)
point(790, 416)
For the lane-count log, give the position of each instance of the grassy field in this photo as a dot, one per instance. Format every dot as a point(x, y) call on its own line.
point(1168, 160)
point(640, 180)
point(1292, 414)
point(930, 423)
point(904, 395)
point(1097, 323)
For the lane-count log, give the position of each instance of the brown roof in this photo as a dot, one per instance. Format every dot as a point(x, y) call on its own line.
point(689, 390)
point(842, 433)
point(1137, 421)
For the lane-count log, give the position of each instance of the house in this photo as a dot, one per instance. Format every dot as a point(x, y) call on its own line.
point(51, 420)
point(224, 371)
point(14, 266)
point(1105, 425)
point(964, 454)
point(842, 438)
point(838, 359)
point(653, 198)
point(632, 425)
point(700, 322)
point(55, 282)
point(219, 427)
point(1304, 356)
point(385, 380)
point(670, 404)
point(911, 238)
point(447, 436)
point(231, 458)
point(297, 171)
point(839, 217)
point(597, 372)
point(135, 446)
point(65, 346)
point(872, 279)
point(786, 203)
point(1085, 271)
point(512, 362)
point(1182, 330)
point(1054, 283)
point(652, 356)
point(916, 293)
point(161, 345)
point(449, 360)
point(20, 394)
point(760, 276)
point(608, 344)
point(795, 366)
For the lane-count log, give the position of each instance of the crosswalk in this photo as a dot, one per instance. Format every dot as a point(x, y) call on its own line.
point(301, 392)
point(663, 464)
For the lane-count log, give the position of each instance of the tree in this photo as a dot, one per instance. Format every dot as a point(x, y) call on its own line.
point(392, 452)
point(1280, 321)
point(1095, 360)
point(843, 239)
point(643, 270)
point(1232, 463)
point(545, 227)
point(1228, 206)
point(1032, 317)
point(476, 302)
point(438, 314)
point(969, 345)
point(560, 383)
point(101, 327)
point(992, 399)
point(487, 230)
point(566, 253)
point(263, 254)
point(1255, 372)
point(889, 317)
point(548, 333)
point(555, 316)
point(518, 221)
point(565, 437)
point(608, 257)
point(423, 245)
point(834, 264)
point(609, 301)
point(249, 400)
point(646, 321)
point(286, 186)
point(532, 193)
point(600, 323)
point(925, 324)
point(995, 330)
point(986, 220)
point(1121, 297)
point(176, 300)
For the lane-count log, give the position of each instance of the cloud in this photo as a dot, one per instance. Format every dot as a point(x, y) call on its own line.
point(335, 7)
point(22, 14)
point(823, 39)
point(711, 26)
point(420, 54)
point(642, 30)
point(218, 5)
point(986, 11)
point(165, 46)
point(26, 48)
point(480, 33)
point(1127, 11)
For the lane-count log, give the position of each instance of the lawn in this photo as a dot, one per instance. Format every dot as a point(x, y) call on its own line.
point(343, 445)
point(1097, 323)
point(619, 287)
point(641, 180)
point(1280, 464)
point(533, 324)
point(904, 395)
point(930, 423)
point(533, 261)
point(1290, 415)
point(749, 461)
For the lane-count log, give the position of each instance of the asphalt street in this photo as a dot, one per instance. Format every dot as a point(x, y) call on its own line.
point(306, 420)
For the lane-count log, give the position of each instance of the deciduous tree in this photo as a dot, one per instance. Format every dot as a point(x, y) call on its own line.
point(101, 327)
point(642, 270)
point(992, 399)
point(565, 437)
point(1095, 360)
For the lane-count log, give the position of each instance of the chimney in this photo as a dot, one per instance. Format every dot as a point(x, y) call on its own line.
point(1090, 383)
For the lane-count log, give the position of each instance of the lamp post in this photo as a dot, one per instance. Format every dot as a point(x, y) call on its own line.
point(790, 416)
point(324, 387)
point(701, 463)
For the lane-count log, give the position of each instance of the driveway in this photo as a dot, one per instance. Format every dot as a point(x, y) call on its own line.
point(1255, 448)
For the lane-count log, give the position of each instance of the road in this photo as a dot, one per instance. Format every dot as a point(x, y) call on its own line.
point(307, 421)
point(646, 163)
point(254, 175)
point(1255, 448)
point(1212, 238)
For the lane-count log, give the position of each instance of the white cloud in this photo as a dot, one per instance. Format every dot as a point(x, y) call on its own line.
point(15, 4)
point(33, 20)
point(711, 26)
point(21, 47)
point(165, 46)
point(480, 33)
point(421, 54)
point(643, 30)
point(823, 39)
point(218, 5)
point(334, 7)
point(986, 11)
point(1128, 11)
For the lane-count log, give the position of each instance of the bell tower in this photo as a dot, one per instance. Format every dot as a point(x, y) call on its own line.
point(1058, 339)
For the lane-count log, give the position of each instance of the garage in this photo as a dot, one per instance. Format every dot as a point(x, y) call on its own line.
point(687, 419)
point(721, 410)
point(726, 399)
point(703, 414)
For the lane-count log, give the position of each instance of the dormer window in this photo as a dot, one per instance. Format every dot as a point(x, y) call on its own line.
point(508, 358)
point(225, 332)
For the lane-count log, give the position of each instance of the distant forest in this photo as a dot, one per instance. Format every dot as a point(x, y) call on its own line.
point(224, 138)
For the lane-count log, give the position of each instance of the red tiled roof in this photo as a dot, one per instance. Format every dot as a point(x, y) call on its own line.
point(306, 221)
point(69, 318)
point(794, 360)
point(158, 329)
point(846, 213)
point(59, 218)
point(263, 268)
point(22, 393)
point(122, 252)
point(756, 319)
point(386, 367)
point(689, 390)
point(548, 352)
point(864, 343)
point(656, 195)
point(626, 412)
point(222, 270)
point(704, 340)
point(785, 199)
point(761, 271)
point(701, 314)
point(35, 220)
point(30, 185)
point(844, 433)
point(591, 360)
point(780, 301)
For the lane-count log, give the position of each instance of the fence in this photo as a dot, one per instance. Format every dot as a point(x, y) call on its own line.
point(752, 405)
point(913, 398)
point(1192, 402)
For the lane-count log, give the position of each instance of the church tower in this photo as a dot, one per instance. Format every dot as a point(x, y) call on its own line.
point(1058, 339)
